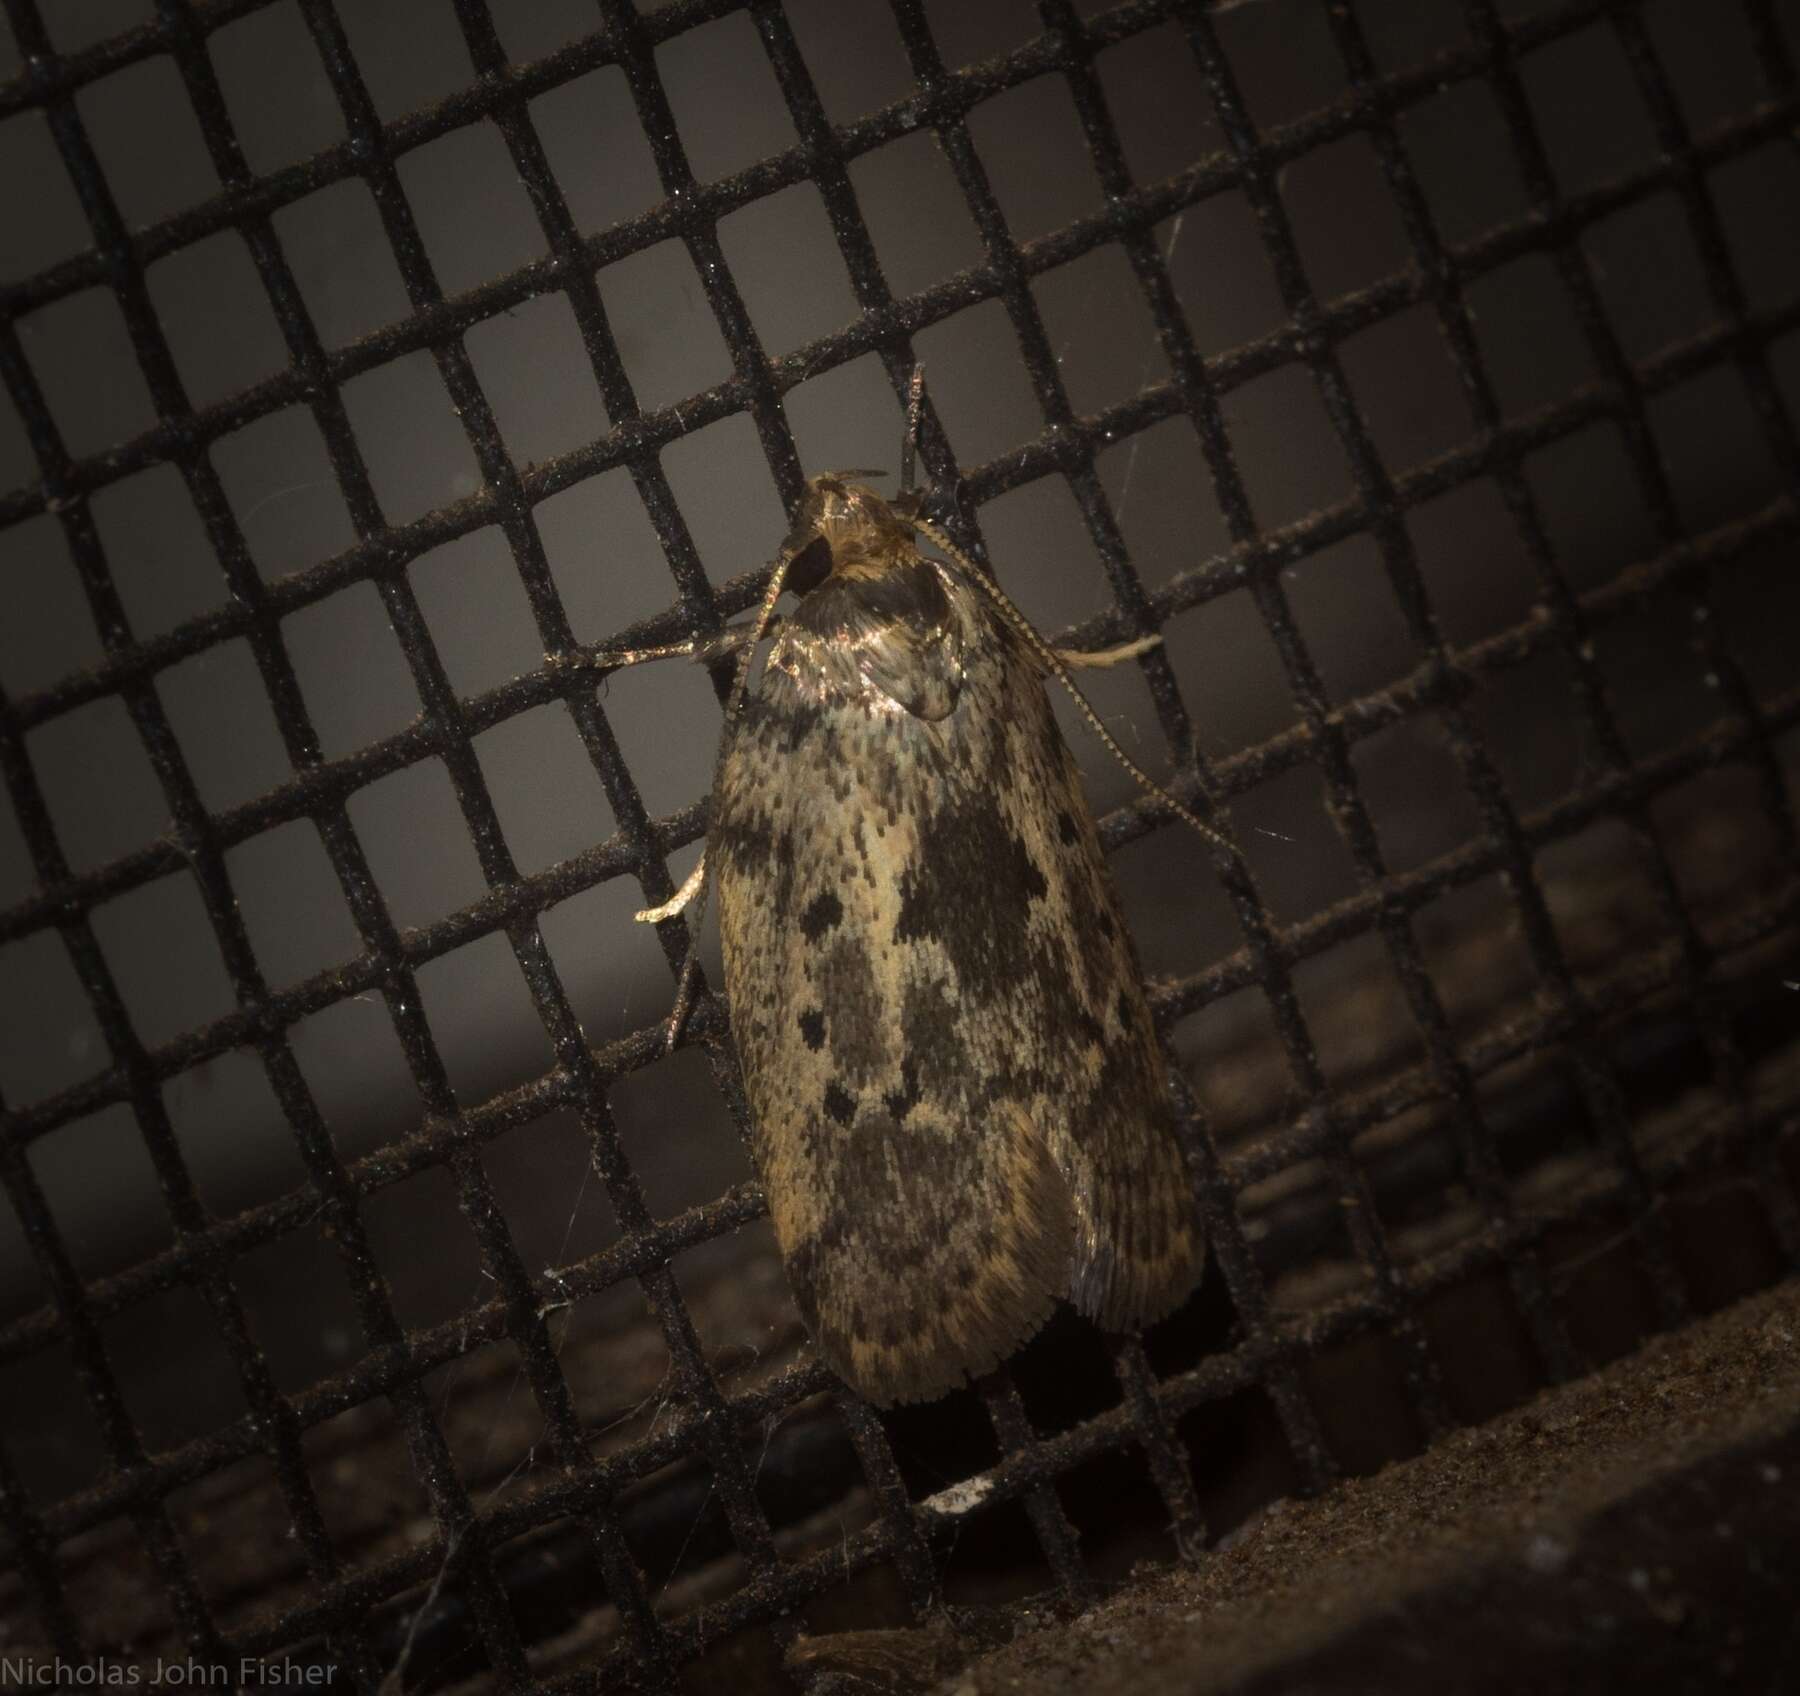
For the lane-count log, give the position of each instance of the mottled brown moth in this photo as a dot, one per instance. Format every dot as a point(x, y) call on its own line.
point(960, 1106)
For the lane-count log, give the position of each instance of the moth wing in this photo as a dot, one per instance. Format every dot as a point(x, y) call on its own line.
point(918, 669)
point(957, 1092)
point(925, 1236)
point(1095, 1084)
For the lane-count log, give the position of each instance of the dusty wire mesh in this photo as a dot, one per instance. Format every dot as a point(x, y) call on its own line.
point(499, 1588)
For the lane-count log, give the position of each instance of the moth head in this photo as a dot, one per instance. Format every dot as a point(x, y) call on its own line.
point(841, 524)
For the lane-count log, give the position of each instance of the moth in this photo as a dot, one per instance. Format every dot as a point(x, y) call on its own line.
point(960, 1106)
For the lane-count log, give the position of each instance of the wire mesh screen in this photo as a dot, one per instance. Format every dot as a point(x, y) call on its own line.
point(376, 1294)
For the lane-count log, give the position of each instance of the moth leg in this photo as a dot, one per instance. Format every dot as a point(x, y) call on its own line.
point(1095, 661)
point(730, 642)
point(707, 650)
point(679, 900)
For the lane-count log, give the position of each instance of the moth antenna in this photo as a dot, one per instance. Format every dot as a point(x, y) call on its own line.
point(740, 685)
point(1053, 663)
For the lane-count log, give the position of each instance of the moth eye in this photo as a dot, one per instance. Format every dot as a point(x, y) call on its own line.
point(811, 564)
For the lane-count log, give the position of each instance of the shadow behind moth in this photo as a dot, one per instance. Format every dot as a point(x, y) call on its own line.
point(960, 1105)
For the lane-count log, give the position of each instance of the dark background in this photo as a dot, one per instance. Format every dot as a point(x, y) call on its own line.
point(611, 568)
